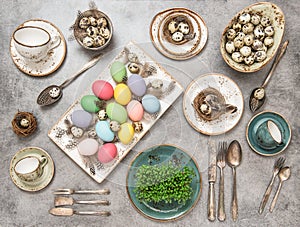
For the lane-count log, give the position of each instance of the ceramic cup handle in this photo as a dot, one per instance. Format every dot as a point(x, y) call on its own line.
point(55, 42)
point(43, 161)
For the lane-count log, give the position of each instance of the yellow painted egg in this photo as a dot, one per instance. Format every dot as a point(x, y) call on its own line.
point(126, 133)
point(122, 94)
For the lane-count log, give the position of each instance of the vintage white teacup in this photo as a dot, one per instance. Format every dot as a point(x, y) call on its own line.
point(34, 43)
point(30, 168)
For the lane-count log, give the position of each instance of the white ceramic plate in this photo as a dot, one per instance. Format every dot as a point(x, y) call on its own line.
point(232, 94)
point(188, 49)
point(51, 62)
point(171, 90)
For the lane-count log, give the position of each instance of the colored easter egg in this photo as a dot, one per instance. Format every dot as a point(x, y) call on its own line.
point(103, 89)
point(122, 94)
point(118, 72)
point(89, 103)
point(135, 110)
point(81, 118)
point(116, 112)
point(137, 84)
point(107, 152)
point(126, 133)
point(151, 104)
point(88, 147)
point(104, 132)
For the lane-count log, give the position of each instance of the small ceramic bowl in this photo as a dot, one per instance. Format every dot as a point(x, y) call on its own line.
point(278, 22)
point(81, 33)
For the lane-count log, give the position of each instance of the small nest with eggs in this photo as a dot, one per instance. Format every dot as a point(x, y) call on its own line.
point(24, 124)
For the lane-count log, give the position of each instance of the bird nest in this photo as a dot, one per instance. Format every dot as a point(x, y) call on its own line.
point(24, 124)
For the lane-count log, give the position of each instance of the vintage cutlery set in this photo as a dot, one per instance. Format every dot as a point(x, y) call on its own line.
point(133, 92)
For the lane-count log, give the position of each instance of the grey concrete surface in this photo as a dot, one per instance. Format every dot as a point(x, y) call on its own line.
point(131, 21)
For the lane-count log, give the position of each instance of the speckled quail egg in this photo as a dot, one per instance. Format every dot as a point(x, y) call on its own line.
point(84, 23)
point(102, 22)
point(248, 28)
point(237, 57)
point(245, 51)
point(250, 59)
point(244, 18)
point(102, 115)
point(133, 67)
point(229, 46)
point(104, 32)
point(265, 21)
point(237, 27)
point(238, 43)
point(137, 126)
point(184, 28)
point(173, 26)
point(248, 40)
point(99, 41)
point(255, 19)
point(269, 31)
point(24, 123)
point(54, 92)
point(205, 109)
point(257, 44)
point(259, 32)
point(93, 21)
point(259, 93)
point(115, 126)
point(92, 31)
point(260, 55)
point(76, 131)
point(88, 41)
point(268, 41)
point(230, 34)
point(240, 35)
point(177, 36)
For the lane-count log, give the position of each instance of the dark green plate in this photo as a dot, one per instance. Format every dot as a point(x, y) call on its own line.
point(156, 155)
point(260, 118)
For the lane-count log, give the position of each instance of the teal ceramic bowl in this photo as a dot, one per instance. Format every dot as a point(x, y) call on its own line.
point(257, 121)
point(157, 155)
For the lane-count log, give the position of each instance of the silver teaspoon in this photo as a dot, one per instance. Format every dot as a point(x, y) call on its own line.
point(53, 93)
point(258, 95)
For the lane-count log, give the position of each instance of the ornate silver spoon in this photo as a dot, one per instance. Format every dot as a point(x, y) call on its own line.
point(53, 93)
point(258, 95)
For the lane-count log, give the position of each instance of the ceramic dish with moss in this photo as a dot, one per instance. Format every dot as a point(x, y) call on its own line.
point(252, 37)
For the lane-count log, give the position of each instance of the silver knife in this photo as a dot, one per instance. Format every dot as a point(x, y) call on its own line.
point(212, 175)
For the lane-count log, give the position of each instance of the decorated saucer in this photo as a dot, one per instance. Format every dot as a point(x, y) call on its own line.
point(50, 63)
point(260, 118)
point(43, 180)
point(232, 94)
point(183, 50)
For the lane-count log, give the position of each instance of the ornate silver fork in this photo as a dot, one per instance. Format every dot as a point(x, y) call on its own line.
point(69, 191)
point(221, 163)
point(277, 166)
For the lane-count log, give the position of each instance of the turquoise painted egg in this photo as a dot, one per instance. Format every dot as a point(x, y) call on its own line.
point(118, 72)
point(116, 112)
point(104, 132)
point(151, 104)
point(89, 103)
point(137, 84)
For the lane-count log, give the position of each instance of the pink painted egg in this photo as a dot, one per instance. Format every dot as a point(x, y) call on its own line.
point(135, 110)
point(103, 89)
point(107, 153)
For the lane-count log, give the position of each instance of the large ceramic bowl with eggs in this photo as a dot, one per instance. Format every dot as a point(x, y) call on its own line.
point(93, 30)
point(252, 37)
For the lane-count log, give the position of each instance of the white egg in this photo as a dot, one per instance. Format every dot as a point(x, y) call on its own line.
point(229, 46)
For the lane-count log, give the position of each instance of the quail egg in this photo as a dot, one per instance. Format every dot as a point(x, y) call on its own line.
point(259, 93)
point(177, 36)
point(230, 34)
point(99, 41)
point(244, 18)
point(205, 109)
point(259, 32)
point(104, 32)
point(265, 21)
point(133, 67)
point(102, 115)
point(257, 44)
point(240, 35)
point(245, 51)
point(269, 31)
point(114, 126)
point(24, 123)
point(102, 22)
point(229, 46)
point(76, 132)
point(88, 41)
point(173, 26)
point(248, 40)
point(137, 126)
point(237, 27)
point(238, 43)
point(84, 23)
point(260, 55)
point(54, 92)
point(93, 21)
point(268, 41)
point(250, 59)
point(184, 28)
point(255, 19)
point(237, 57)
point(248, 28)
point(92, 31)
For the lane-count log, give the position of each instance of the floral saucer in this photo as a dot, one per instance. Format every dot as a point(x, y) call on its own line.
point(50, 63)
point(43, 180)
